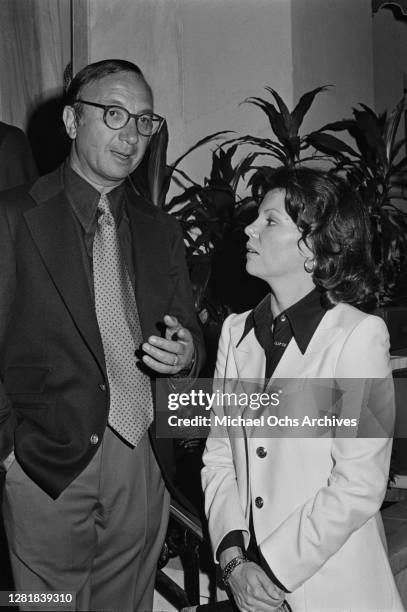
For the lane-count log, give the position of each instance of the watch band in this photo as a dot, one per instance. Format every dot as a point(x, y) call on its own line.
point(229, 567)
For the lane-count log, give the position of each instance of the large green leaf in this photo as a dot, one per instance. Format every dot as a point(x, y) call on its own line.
point(276, 120)
point(264, 143)
point(330, 144)
point(338, 126)
point(275, 149)
point(157, 170)
point(187, 196)
point(303, 107)
point(285, 113)
point(399, 181)
point(294, 148)
point(371, 128)
point(222, 168)
point(200, 143)
point(177, 172)
point(396, 152)
point(392, 125)
point(243, 167)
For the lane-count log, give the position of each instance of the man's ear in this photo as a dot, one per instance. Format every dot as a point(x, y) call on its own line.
point(70, 121)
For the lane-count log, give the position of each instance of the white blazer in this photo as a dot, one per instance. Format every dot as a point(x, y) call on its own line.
point(319, 527)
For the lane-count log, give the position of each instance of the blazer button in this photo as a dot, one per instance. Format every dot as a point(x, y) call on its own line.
point(261, 452)
point(259, 502)
point(102, 387)
point(94, 439)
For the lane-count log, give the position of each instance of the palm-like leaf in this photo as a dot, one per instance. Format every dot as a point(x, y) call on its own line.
point(330, 144)
point(209, 211)
point(285, 113)
point(378, 173)
point(338, 126)
point(157, 171)
point(285, 125)
point(303, 106)
point(392, 126)
point(372, 142)
point(274, 149)
point(275, 118)
point(197, 145)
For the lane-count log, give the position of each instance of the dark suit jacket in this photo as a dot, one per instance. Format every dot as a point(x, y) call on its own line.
point(17, 165)
point(51, 353)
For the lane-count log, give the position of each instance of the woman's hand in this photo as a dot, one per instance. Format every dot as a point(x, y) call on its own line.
point(252, 589)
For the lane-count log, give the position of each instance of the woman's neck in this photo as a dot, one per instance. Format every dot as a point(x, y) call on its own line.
point(282, 297)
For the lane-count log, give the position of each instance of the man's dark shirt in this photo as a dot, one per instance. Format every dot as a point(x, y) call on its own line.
point(300, 322)
point(84, 199)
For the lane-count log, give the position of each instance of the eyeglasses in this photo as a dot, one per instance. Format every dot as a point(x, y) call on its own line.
point(116, 117)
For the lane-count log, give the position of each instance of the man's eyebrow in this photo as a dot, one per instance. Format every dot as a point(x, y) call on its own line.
point(112, 102)
point(115, 102)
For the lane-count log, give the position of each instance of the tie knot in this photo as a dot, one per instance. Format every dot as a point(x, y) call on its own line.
point(104, 210)
point(104, 204)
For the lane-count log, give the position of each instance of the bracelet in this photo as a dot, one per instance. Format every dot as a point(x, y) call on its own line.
point(229, 567)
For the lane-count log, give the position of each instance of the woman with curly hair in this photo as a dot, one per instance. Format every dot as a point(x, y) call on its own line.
point(294, 520)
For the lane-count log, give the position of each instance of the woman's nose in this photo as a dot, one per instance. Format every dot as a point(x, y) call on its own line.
point(250, 230)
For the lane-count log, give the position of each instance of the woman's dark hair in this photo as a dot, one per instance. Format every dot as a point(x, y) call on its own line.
point(335, 226)
point(95, 72)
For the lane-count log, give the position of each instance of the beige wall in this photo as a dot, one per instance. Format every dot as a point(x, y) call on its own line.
point(202, 58)
point(332, 44)
point(34, 50)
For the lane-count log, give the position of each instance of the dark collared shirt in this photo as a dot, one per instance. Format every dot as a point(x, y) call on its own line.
point(300, 322)
point(84, 199)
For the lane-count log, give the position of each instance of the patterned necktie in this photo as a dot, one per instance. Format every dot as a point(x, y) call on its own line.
point(131, 404)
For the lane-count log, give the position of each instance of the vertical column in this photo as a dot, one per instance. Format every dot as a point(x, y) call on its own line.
point(79, 34)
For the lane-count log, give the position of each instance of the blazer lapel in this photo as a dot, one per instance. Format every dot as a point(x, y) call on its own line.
point(249, 355)
point(251, 361)
point(53, 230)
point(294, 364)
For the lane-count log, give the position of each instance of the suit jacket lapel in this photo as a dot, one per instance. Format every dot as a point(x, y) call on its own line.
point(53, 230)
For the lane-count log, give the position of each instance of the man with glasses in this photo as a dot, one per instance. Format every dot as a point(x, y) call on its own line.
point(95, 299)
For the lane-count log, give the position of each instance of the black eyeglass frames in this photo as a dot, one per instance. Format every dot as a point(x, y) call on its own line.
point(116, 117)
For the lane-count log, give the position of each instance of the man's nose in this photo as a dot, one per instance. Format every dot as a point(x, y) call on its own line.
point(130, 132)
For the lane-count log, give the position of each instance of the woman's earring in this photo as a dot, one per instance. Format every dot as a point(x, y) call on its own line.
point(309, 265)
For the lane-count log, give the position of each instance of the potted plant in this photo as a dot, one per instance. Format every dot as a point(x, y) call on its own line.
point(376, 166)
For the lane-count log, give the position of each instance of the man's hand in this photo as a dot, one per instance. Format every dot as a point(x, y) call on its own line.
point(173, 353)
point(252, 589)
